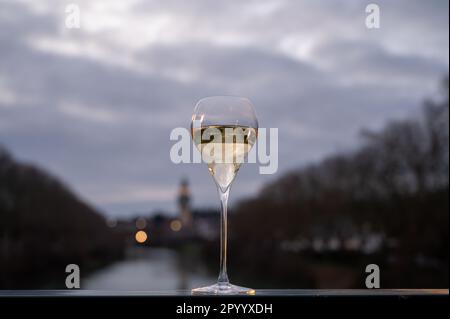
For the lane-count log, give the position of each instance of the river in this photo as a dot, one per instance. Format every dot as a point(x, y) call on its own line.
point(151, 269)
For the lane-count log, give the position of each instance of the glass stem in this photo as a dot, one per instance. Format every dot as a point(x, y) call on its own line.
point(223, 277)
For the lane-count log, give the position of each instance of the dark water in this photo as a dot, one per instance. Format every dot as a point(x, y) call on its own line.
point(151, 269)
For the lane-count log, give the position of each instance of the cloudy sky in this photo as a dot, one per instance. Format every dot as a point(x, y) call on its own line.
point(95, 105)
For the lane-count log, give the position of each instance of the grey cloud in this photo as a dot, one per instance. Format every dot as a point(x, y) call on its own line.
point(364, 61)
point(57, 118)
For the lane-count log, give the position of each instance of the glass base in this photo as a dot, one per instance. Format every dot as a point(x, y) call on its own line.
point(223, 289)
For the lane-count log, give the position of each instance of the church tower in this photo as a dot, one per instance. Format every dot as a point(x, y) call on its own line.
point(184, 198)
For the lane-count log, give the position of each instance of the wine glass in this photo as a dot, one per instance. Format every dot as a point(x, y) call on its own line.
point(224, 129)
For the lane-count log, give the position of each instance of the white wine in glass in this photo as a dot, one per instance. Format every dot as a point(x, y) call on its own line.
point(224, 129)
point(225, 151)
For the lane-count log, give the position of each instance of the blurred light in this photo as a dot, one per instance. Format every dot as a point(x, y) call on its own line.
point(251, 292)
point(141, 236)
point(141, 223)
point(175, 225)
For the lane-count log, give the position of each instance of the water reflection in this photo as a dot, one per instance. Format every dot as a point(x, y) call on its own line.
point(152, 269)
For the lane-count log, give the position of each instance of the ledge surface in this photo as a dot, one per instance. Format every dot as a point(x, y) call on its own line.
point(259, 292)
